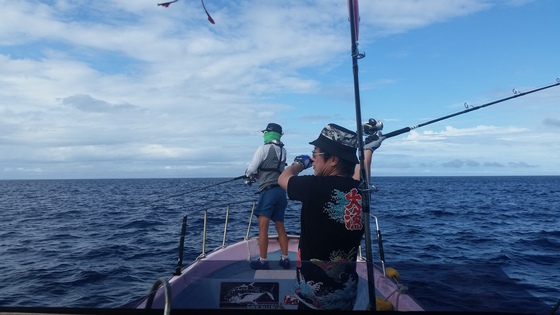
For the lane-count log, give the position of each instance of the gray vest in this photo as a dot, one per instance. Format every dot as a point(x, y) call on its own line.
point(271, 167)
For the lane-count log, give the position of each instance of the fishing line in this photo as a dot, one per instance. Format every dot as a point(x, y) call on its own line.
point(199, 189)
point(470, 109)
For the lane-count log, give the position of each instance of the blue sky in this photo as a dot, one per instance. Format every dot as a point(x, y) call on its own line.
point(129, 89)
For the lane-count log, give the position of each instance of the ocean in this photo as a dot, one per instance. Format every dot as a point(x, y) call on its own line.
point(459, 243)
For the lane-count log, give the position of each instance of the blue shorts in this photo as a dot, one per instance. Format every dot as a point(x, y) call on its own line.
point(272, 204)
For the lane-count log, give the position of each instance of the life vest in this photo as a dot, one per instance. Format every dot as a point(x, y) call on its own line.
point(277, 168)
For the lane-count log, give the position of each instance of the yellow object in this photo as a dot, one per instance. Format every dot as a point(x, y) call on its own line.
point(392, 273)
point(382, 305)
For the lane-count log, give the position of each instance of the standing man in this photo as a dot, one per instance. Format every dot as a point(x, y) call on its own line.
point(332, 225)
point(268, 162)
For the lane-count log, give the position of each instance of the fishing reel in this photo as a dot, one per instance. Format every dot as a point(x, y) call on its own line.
point(249, 180)
point(372, 127)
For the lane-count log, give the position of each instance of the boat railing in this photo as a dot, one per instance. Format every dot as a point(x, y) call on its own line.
point(167, 292)
point(379, 243)
point(204, 213)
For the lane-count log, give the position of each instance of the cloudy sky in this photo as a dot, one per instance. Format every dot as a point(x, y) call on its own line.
point(130, 89)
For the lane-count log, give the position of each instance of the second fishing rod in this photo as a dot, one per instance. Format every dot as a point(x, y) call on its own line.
point(375, 126)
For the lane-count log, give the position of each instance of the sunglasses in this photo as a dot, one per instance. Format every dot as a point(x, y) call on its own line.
point(316, 153)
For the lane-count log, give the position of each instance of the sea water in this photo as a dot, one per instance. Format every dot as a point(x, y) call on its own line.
point(459, 243)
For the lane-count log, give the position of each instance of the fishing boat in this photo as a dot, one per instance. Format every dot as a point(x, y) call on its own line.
point(222, 278)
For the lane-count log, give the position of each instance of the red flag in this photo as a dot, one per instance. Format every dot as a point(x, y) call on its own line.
point(166, 4)
point(209, 17)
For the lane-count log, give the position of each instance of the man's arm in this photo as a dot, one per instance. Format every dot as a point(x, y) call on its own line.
point(301, 162)
point(292, 170)
point(367, 165)
point(372, 143)
point(258, 157)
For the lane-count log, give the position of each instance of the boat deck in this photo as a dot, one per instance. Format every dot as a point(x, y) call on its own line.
point(224, 280)
point(236, 285)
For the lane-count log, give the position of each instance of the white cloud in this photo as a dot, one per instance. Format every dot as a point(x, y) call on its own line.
point(130, 89)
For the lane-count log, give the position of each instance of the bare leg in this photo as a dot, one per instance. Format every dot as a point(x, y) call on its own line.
point(264, 222)
point(282, 237)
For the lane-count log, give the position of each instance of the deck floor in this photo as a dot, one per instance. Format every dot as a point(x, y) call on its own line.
point(237, 286)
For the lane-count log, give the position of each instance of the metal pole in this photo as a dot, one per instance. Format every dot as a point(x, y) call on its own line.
point(364, 191)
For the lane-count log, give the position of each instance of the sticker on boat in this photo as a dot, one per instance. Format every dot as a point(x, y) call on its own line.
point(257, 295)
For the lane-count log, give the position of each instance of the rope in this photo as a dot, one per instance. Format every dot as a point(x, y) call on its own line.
point(401, 289)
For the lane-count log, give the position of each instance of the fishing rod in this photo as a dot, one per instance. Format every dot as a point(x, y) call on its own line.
point(516, 94)
point(364, 181)
point(209, 186)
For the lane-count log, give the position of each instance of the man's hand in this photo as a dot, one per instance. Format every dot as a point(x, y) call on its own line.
point(373, 142)
point(304, 160)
